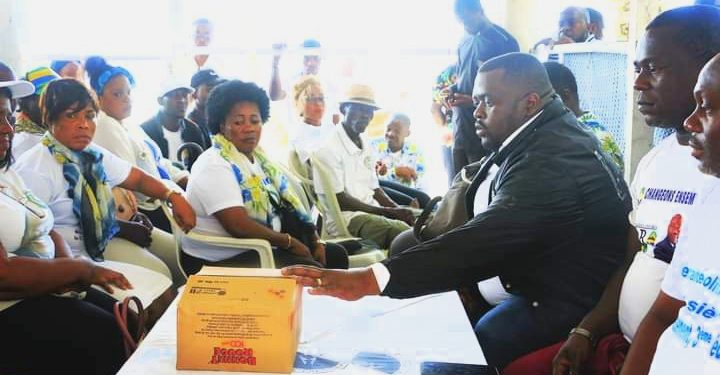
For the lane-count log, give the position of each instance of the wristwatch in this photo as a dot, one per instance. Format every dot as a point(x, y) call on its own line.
point(584, 333)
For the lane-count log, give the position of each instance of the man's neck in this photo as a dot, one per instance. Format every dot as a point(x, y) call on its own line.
point(395, 148)
point(169, 122)
point(355, 137)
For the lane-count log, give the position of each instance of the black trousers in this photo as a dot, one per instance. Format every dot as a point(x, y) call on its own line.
point(402, 194)
point(335, 257)
point(463, 157)
point(56, 335)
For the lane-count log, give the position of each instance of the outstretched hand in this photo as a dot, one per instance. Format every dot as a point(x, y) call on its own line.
point(349, 285)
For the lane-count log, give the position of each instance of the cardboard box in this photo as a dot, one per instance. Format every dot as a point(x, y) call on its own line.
point(236, 319)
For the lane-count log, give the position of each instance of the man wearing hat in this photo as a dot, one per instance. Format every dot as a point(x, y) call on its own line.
point(28, 126)
point(170, 128)
point(348, 162)
point(203, 81)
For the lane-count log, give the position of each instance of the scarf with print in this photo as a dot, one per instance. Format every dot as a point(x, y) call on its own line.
point(23, 124)
point(93, 202)
point(256, 191)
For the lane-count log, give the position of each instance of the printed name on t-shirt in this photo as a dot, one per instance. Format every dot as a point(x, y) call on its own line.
point(668, 195)
point(693, 326)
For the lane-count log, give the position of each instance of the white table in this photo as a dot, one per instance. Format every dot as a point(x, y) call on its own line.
point(407, 332)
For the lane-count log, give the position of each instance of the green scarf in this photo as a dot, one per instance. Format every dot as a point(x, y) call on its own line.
point(257, 191)
point(23, 124)
point(93, 202)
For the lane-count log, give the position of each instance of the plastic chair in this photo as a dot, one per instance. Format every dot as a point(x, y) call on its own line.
point(330, 208)
point(262, 247)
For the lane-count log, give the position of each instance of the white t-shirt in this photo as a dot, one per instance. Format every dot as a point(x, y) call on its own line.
point(25, 222)
point(212, 187)
point(174, 140)
point(43, 175)
point(667, 183)
point(351, 170)
point(132, 144)
point(691, 345)
point(24, 141)
point(306, 139)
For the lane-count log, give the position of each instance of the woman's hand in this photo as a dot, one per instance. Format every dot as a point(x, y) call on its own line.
point(135, 232)
point(319, 253)
point(107, 279)
point(182, 212)
point(298, 248)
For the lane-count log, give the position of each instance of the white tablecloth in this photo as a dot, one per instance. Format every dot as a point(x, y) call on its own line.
point(375, 335)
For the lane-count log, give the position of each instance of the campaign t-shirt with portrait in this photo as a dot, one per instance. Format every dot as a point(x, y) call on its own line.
point(691, 345)
point(667, 183)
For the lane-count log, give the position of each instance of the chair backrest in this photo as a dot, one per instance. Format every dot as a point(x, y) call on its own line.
point(327, 203)
point(177, 233)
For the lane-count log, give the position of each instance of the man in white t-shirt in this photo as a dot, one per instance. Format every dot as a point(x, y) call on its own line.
point(666, 185)
point(688, 306)
point(349, 169)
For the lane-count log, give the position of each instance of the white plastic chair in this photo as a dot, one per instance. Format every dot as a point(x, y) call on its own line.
point(262, 247)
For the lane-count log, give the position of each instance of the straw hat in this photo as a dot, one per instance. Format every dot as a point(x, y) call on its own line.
point(360, 94)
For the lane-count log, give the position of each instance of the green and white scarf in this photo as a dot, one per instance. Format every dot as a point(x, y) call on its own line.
point(256, 191)
point(93, 202)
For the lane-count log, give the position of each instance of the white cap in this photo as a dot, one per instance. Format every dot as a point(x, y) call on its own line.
point(171, 84)
point(19, 89)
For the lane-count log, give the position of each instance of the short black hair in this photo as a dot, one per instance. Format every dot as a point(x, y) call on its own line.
point(62, 94)
point(225, 95)
point(561, 77)
point(8, 159)
point(462, 6)
point(521, 69)
point(696, 27)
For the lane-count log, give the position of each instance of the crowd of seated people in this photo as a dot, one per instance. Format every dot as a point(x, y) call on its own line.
point(564, 267)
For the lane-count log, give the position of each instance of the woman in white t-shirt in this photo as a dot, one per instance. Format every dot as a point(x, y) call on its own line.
point(238, 192)
point(75, 178)
point(311, 133)
point(42, 331)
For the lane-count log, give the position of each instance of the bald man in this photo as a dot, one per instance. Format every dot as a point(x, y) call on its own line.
point(552, 225)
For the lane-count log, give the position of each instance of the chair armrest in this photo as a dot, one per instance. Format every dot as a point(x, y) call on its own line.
point(262, 247)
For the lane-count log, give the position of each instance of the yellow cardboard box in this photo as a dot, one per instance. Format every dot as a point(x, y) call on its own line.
point(236, 319)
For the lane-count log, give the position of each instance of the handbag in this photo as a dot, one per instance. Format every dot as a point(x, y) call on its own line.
point(130, 339)
point(451, 209)
point(291, 224)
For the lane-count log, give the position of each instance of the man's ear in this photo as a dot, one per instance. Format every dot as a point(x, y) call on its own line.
point(160, 100)
point(532, 102)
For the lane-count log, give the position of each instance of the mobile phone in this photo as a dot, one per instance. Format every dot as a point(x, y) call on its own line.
point(446, 368)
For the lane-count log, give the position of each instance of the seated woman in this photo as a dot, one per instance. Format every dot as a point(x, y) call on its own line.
point(236, 191)
point(75, 177)
point(42, 332)
point(310, 133)
point(28, 125)
point(129, 142)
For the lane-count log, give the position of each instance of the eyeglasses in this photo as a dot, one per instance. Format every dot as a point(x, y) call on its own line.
point(315, 99)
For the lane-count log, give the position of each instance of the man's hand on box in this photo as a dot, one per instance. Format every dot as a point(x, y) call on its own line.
point(349, 285)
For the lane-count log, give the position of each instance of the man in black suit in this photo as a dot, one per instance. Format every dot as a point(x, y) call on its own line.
point(170, 127)
point(554, 229)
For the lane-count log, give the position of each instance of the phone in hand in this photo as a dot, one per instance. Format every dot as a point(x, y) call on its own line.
point(446, 368)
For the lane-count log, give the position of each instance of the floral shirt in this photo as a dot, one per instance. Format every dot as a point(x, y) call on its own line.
point(591, 123)
point(408, 156)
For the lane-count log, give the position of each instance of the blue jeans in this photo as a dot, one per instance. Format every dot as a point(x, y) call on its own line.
point(516, 327)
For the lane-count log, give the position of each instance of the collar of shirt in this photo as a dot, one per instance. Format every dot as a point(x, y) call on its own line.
point(519, 130)
point(347, 143)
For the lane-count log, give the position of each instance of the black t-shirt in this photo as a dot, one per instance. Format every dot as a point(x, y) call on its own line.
point(472, 52)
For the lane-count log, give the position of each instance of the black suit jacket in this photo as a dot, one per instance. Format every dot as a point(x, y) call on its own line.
point(556, 226)
point(189, 132)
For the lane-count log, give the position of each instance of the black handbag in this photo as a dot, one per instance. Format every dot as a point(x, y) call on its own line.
point(291, 224)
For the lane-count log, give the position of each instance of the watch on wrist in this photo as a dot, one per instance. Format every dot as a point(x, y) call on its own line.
point(169, 194)
point(584, 333)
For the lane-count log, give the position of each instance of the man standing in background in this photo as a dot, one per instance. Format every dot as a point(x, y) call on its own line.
point(484, 40)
